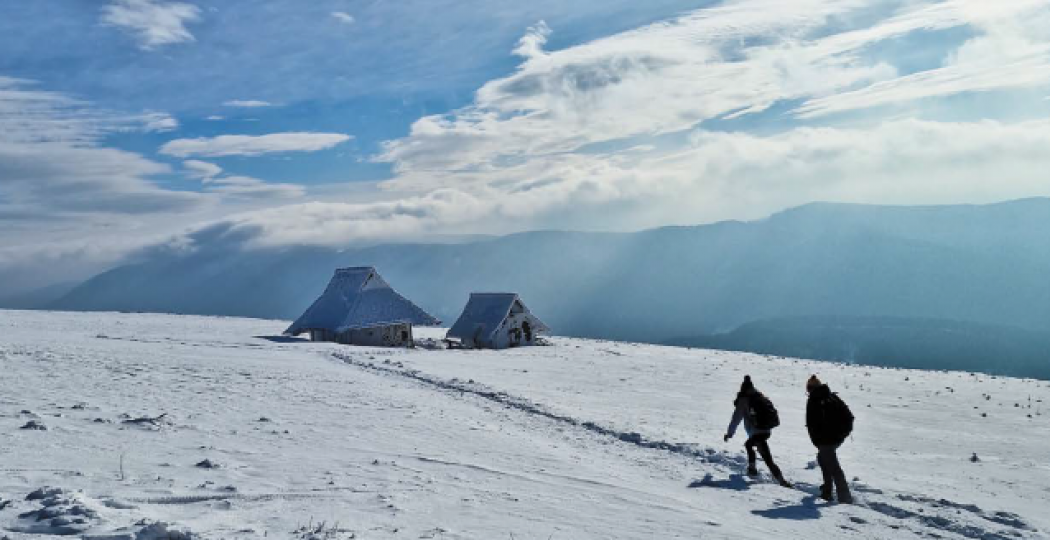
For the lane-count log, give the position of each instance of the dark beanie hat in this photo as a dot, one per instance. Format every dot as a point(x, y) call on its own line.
point(747, 385)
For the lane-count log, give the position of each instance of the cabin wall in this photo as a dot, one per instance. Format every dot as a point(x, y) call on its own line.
point(322, 335)
point(512, 333)
point(395, 335)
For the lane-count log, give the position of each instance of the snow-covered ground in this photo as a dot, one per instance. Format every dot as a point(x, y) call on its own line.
point(158, 425)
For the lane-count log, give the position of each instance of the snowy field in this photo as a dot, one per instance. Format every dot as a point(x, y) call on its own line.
point(158, 427)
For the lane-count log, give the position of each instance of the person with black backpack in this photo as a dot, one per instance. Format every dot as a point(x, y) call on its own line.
point(759, 417)
point(829, 422)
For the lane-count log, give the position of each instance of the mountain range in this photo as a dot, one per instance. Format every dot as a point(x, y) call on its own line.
point(976, 268)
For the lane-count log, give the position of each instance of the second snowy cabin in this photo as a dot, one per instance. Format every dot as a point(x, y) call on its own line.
point(359, 308)
point(496, 321)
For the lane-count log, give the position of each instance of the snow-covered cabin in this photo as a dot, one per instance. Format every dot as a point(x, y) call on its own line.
point(359, 308)
point(496, 321)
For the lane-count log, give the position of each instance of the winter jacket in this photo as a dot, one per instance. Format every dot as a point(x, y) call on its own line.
point(742, 411)
point(822, 431)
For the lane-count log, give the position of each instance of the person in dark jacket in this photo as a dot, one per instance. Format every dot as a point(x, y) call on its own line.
point(756, 437)
point(827, 431)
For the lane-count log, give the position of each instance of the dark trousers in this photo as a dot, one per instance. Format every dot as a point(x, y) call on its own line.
point(828, 460)
point(762, 443)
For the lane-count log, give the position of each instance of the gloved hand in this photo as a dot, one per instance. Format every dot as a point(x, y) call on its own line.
point(725, 438)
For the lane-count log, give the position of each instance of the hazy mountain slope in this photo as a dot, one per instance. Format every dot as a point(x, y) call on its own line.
point(37, 298)
point(891, 341)
point(984, 264)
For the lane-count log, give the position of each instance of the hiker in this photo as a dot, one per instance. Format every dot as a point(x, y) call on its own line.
point(829, 422)
point(760, 417)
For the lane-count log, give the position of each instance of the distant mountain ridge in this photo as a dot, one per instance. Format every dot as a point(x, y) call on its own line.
point(984, 264)
point(891, 341)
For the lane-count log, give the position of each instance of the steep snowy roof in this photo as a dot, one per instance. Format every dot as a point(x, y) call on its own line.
point(359, 298)
point(488, 311)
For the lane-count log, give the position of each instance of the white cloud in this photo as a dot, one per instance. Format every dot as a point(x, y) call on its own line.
point(62, 189)
point(154, 22)
point(215, 118)
point(343, 17)
point(237, 186)
point(1010, 51)
point(55, 178)
point(729, 61)
point(52, 163)
point(658, 79)
point(244, 187)
point(250, 145)
point(531, 44)
point(715, 176)
point(593, 135)
point(160, 122)
point(201, 170)
point(339, 223)
point(247, 103)
point(29, 115)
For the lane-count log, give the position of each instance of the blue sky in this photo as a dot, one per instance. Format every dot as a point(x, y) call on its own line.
point(371, 72)
point(128, 124)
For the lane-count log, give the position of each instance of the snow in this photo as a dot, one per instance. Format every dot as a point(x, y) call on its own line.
point(359, 298)
point(580, 439)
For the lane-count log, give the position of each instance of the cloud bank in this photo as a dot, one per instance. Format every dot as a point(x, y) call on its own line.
point(238, 186)
point(70, 204)
point(664, 124)
point(252, 145)
point(52, 163)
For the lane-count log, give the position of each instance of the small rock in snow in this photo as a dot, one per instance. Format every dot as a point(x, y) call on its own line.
point(33, 424)
point(44, 493)
point(163, 531)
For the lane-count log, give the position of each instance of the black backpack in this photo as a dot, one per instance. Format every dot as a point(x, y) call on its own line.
point(838, 416)
point(763, 413)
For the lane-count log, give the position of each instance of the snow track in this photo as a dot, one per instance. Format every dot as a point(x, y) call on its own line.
point(924, 514)
point(248, 497)
point(705, 455)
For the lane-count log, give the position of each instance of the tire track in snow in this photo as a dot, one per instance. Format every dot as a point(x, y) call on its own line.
point(1015, 527)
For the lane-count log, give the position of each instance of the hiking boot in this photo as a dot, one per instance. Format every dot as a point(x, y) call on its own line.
point(825, 492)
point(752, 471)
point(848, 499)
point(785, 483)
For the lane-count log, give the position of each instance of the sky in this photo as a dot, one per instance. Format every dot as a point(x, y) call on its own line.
point(128, 126)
